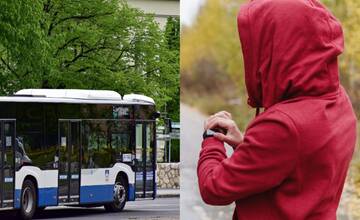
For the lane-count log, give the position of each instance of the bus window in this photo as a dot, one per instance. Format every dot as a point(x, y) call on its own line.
point(95, 144)
point(106, 142)
point(121, 112)
point(145, 168)
point(139, 147)
point(31, 132)
point(149, 149)
point(144, 112)
point(122, 150)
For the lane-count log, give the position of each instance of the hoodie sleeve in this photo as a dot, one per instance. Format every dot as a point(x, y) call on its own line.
point(262, 161)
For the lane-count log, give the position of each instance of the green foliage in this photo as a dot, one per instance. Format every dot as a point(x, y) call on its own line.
point(21, 40)
point(211, 62)
point(175, 151)
point(348, 12)
point(214, 38)
point(211, 53)
point(86, 45)
point(172, 35)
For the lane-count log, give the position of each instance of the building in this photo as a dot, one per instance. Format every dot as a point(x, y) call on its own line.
point(161, 8)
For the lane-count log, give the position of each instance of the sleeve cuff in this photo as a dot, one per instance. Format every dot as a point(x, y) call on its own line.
point(212, 142)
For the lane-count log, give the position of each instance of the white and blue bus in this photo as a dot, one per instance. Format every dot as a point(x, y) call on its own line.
point(76, 148)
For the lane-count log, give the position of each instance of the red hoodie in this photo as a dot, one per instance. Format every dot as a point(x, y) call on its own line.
point(294, 158)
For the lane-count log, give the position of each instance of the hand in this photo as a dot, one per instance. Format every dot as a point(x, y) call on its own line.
point(223, 120)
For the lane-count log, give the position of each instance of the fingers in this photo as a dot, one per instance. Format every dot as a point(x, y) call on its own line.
point(223, 114)
point(213, 118)
point(220, 123)
point(220, 137)
point(233, 142)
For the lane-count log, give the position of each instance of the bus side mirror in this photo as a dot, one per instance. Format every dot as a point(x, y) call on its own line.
point(156, 115)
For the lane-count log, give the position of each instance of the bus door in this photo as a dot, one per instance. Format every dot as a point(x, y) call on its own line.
point(7, 163)
point(69, 161)
point(145, 186)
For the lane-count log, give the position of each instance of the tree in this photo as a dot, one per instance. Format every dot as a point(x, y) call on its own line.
point(172, 35)
point(86, 45)
point(211, 62)
point(21, 40)
point(348, 13)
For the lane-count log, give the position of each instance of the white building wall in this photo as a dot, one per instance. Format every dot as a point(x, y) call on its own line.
point(161, 8)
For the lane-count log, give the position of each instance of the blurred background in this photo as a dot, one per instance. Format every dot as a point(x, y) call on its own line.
point(212, 79)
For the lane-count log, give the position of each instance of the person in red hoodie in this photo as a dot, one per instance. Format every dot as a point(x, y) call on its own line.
point(292, 161)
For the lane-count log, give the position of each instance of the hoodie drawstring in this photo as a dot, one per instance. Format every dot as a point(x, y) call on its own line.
point(257, 111)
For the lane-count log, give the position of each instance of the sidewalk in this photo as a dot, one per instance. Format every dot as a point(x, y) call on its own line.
point(167, 193)
point(349, 203)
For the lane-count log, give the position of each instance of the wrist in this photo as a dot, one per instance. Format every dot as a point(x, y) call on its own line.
point(211, 142)
point(208, 133)
point(236, 144)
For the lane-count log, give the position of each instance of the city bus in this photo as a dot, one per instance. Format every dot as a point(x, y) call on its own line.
point(86, 148)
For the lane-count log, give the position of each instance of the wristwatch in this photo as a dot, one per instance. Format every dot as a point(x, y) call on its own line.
point(208, 133)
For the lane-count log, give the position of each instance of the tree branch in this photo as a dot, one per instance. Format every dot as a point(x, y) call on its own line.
point(9, 68)
point(7, 65)
point(78, 56)
point(75, 17)
point(47, 6)
point(66, 44)
point(83, 54)
point(128, 67)
point(52, 24)
point(119, 57)
point(153, 70)
point(122, 51)
point(82, 69)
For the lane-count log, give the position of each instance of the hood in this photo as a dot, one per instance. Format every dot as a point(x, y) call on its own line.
point(290, 50)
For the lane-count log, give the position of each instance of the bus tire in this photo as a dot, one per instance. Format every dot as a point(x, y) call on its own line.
point(39, 211)
point(120, 196)
point(28, 200)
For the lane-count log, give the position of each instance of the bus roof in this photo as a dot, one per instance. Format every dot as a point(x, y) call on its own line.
point(76, 96)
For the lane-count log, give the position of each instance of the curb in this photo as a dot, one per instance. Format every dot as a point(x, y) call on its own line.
point(168, 193)
point(168, 196)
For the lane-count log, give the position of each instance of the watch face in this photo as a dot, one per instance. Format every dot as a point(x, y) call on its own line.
point(208, 133)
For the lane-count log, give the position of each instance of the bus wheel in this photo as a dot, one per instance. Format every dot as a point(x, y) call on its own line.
point(120, 192)
point(28, 201)
point(39, 210)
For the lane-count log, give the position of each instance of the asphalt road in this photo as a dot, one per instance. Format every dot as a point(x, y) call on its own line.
point(159, 209)
point(192, 207)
